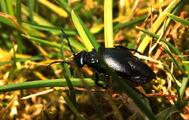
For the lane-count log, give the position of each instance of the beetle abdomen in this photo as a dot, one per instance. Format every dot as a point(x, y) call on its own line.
point(126, 65)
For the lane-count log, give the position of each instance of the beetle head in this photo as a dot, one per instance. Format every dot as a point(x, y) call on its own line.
point(79, 58)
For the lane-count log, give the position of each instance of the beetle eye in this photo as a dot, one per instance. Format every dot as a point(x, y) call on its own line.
point(79, 58)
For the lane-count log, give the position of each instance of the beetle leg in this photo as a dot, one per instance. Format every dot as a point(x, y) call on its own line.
point(100, 84)
point(97, 81)
point(129, 49)
point(107, 80)
point(98, 77)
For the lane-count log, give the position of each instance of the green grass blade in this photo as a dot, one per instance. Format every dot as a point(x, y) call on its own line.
point(165, 114)
point(108, 24)
point(183, 68)
point(64, 5)
point(8, 20)
point(76, 45)
point(185, 81)
point(3, 6)
point(31, 6)
point(81, 31)
point(167, 51)
point(35, 58)
point(120, 85)
point(56, 9)
point(73, 108)
point(178, 19)
point(37, 18)
point(90, 36)
point(45, 83)
point(45, 42)
point(172, 48)
point(53, 30)
point(9, 7)
point(18, 10)
point(174, 61)
point(157, 24)
point(133, 22)
point(183, 86)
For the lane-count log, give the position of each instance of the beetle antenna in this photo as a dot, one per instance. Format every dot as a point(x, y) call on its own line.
point(58, 61)
point(135, 51)
point(65, 36)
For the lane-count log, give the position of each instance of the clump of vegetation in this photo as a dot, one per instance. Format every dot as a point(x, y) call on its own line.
point(31, 39)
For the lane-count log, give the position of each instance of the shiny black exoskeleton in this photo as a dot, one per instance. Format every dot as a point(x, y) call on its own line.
point(119, 59)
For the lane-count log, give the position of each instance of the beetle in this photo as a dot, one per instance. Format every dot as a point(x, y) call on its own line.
point(119, 59)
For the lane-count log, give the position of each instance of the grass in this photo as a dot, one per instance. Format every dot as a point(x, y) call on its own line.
point(31, 38)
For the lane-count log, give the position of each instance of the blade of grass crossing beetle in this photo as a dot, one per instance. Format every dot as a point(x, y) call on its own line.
point(108, 26)
point(90, 36)
point(81, 31)
point(120, 86)
point(81, 27)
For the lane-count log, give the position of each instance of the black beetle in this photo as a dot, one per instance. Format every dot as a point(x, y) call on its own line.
point(119, 59)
